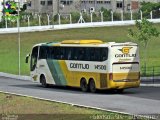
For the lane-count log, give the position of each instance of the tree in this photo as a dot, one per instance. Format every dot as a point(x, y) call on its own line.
point(147, 7)
point(24, 7)
point(144, 32)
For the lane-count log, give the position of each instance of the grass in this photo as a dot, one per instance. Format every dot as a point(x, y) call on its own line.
point(9, 44)
point(28, 108)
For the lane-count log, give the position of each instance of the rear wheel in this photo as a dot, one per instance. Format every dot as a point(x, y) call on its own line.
point(92, 86)
point(43, 81)
point(83, 85)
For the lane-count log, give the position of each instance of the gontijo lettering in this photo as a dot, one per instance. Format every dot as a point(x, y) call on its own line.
point(79, 65)
point(125, 51)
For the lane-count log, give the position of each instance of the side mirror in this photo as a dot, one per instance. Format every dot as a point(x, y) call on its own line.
point(27, 57)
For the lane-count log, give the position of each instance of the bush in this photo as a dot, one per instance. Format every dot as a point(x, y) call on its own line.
point(106, 14)
point(75, 17)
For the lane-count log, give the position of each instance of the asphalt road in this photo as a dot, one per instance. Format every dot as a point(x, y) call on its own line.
point(143, 100)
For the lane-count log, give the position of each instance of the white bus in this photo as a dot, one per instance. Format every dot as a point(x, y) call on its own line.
point(88, 64)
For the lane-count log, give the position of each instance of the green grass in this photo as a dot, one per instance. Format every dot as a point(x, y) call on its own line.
point(9, 44)
point(27, 108)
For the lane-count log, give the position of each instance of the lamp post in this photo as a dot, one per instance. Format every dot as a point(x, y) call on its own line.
point(19, 40)
point(52, 7)
point(6, 22)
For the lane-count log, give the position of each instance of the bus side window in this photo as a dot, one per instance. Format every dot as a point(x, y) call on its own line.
point(68, 53)
point(74, 53)
point(97, 54)
point(62, 53)
point(92, 54)
point(51, 53)
point(80, 54)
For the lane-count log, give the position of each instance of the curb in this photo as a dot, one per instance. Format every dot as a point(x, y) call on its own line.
point(150, 78)
point(77, 105)
point(150, 85)
point(18, 77)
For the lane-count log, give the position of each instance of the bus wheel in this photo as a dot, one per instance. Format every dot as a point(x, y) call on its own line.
point(83, 85)
point(43, 81)
point(92, 86)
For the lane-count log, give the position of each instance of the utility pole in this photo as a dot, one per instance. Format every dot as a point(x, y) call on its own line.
point(4, 7)
point(34, 7)
point(123, 2)
point(19, 40)
point(53, 8)
point(58, 6)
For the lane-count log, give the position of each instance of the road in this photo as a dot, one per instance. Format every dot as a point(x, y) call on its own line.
point(143, 100)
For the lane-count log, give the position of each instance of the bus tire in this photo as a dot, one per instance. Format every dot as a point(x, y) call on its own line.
point(43, 81)
point(92, 86)
point(83, 85)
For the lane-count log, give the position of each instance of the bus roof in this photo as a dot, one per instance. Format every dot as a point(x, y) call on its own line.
point(82, 42)
point(85, 42)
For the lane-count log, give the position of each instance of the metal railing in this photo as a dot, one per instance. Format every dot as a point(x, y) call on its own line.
point(150, 74)
point(39, 19)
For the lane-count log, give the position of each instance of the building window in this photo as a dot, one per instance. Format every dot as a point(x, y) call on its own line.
point(91, 1)
point(107, 2)
point(49, 2)
point(119, 4)
point(66, 2)
point(42, 3)
point(100, 2)
point(128, 6)
point(29, 3)
point(84, 1)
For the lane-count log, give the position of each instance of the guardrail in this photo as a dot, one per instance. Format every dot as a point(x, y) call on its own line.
point(151, 74)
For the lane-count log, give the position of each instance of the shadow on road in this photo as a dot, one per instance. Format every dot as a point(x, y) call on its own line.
point(73, 90)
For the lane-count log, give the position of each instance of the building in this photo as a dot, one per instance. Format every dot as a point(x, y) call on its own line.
point(67, 6)
point(1, 10)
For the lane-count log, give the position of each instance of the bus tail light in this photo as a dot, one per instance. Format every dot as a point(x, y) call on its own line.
point(110, 76)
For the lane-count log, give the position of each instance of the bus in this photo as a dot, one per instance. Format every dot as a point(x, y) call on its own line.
point(87, 64)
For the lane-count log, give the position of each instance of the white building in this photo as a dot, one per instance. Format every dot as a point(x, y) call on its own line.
point(22, 2)
point(67, 6)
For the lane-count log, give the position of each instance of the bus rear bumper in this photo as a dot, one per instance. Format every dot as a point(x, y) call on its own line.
point(124, 84)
